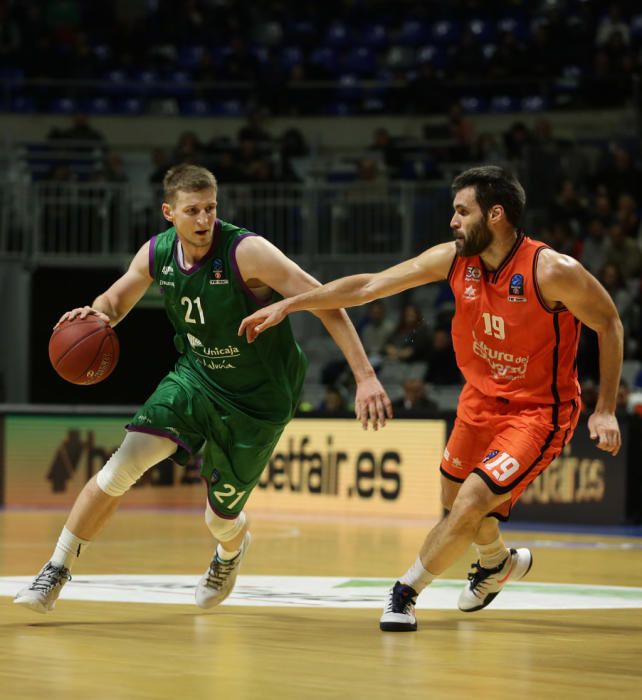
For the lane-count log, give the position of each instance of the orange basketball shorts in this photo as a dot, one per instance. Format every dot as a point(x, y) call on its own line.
point(506, 443)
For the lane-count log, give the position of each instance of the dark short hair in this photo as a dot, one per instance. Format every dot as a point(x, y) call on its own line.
point(186, 177)
point(494, 185)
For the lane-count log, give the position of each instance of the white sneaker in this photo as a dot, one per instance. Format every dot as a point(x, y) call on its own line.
point(42, 594)
point(485, 584)
point(218, 581)
point(399, 611)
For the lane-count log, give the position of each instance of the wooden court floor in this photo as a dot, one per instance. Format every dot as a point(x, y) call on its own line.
point(114, 650)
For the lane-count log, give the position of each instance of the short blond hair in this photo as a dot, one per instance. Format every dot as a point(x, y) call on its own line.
point(186, 177)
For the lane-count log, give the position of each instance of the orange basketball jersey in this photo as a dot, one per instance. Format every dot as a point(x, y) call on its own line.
point(508, 343)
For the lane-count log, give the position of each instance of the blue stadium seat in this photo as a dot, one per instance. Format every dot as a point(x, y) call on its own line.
point(503, 103)
point(116, 83)
point(147, 82)
point(326, 59)
point(11, 75)
point(291, 56)
point(413, 32)
point(483, 29)
point(97, 105)
point(22, 104)
point(177, 83)
point(533, 103)
point(190, 56)
point(636, 27)
point(228, 108)
point(195, 108)
point(431, 54)
point(444, 32)
point(338, 35)
point(514, 25)
point(130, 106)
point(374, 36)
point(102, 52)
point(349, 88)
point(472, 104)
point(361, 61)
point(64, 105)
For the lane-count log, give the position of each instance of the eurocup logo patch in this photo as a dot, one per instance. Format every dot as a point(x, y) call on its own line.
point(490, 455)
point(516, 288)
point(218, 276)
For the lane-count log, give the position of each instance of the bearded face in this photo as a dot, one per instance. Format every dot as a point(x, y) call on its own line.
point(474, 241)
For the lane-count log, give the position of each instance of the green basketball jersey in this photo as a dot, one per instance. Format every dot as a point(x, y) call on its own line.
point(205, 305)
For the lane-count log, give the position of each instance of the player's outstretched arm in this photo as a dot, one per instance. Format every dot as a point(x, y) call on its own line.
point(355, 290)
point(262, 262)
point(564, 280)
point(114, 304)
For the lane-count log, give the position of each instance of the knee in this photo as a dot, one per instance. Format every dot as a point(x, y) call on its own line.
point(466, 514)
point(118, 476)
point(224, 529)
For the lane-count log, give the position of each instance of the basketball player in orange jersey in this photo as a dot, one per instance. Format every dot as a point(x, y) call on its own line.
point(519, 310)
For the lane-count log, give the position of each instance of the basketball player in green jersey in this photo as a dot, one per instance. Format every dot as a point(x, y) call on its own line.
point(225, 396)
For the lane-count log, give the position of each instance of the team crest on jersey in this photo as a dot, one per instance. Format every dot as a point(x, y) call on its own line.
point(490, 455)
point(218, 274)
point(470, 292)
point(472, 273)
point(516, 288)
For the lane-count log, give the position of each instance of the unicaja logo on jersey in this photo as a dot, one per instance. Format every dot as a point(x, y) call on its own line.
point(218, 276)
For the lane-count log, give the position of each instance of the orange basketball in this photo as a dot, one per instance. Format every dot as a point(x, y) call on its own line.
point(84, 350)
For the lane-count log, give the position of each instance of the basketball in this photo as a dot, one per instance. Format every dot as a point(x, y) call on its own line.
point(84, 350)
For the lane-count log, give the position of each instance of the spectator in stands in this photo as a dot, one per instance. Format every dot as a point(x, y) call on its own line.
point(254, 129)
point(612, 24)
point(391, 155)
point(80, 130)
point(627, 216)
point(442, 365)
point(188, 149)
point(595, 246)
point(613, 281)
point(620, 174)
point(333, 403)
point(415, 400)
point(622, 399)
point(113, 169)
point(410, 341)
point(602, 208)
point(517, 140)
point(374, 330)
point(569, 208)
point(293, 146)
point(623, 252)
point(160, 164)
point(487, 149)
point(462, 133)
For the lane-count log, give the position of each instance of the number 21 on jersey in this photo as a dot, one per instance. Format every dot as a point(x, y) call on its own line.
point(193, 306)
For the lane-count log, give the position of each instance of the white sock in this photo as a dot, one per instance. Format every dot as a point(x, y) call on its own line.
point(225, 554)
point(493, 554)
point(68, 549)
point(417, 576)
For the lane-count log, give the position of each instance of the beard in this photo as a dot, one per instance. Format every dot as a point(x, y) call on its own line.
point(478, 239)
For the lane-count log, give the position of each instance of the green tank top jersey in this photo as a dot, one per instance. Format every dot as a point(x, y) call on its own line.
point(205, 305)
point(232, 397)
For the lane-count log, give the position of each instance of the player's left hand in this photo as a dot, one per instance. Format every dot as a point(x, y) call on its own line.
point(604, 428)
point(372, 404)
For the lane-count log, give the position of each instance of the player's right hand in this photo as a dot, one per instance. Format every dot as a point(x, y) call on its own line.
point(261, 320)
point(82, 312)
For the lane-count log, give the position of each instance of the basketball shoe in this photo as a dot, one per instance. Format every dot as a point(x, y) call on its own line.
point(42, 594)
point(484, 584)
point(218, 581)
point(399, 612)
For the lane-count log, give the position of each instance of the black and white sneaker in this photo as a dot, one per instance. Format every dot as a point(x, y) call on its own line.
point(218, 581)
point(484, 584)
point(399, 612)
point(42, 594)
